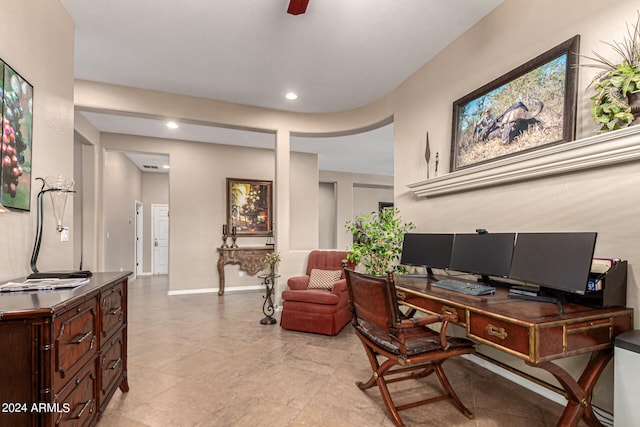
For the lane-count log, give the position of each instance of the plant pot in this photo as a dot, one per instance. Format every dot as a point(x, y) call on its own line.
point(634, 103)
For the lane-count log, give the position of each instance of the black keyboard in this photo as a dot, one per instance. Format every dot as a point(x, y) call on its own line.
point(468, 288)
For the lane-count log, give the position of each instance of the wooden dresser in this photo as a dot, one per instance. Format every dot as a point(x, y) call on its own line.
point(63, 353)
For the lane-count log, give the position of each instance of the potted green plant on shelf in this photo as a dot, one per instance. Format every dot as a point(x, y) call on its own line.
point(617, 86)
point(377, 240)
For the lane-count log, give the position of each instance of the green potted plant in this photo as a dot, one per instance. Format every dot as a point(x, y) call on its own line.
point(377, 240)
point(617, 86)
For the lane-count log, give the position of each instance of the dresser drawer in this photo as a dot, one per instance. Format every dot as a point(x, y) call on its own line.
point(433, 306)
point(111, 365)
point(75, 342)
point(77, 401)
point(112, 303)
point(496, 332)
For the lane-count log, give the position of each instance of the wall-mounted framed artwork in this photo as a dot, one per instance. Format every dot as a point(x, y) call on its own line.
point(17, 127)
point(530, 107)
point(249, 207)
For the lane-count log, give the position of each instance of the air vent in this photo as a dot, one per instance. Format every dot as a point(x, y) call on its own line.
point(149, 167)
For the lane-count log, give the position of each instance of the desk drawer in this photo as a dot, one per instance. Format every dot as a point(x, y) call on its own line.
point(78, 399)
point(434, 306)
point(111, 365)
point(574, 338)
point(112, 303)
point(75, 340)
point(499, 333)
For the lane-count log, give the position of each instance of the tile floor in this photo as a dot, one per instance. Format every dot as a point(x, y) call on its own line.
point(204, 360)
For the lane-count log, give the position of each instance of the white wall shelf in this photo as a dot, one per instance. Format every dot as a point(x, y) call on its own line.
point(588, 153)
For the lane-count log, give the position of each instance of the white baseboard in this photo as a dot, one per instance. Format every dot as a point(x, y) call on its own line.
point(229, 289)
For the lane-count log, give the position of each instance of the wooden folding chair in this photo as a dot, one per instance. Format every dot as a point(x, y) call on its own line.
point(411, 350)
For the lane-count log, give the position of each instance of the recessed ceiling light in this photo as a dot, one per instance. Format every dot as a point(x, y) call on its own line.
point(291, 96)
point(165, 166)
point(172, 125)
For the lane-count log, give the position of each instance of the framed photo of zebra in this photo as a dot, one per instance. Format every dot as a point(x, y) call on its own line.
point(530, 107)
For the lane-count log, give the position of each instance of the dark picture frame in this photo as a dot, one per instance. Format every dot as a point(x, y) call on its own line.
point(249, 207)
point(16, 122)
point(530, 107)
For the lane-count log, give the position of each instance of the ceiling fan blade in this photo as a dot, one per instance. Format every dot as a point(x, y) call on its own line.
point(297, 7)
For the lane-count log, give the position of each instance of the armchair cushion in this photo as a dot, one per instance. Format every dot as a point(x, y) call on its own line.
point(312, 296)
point(323, 279)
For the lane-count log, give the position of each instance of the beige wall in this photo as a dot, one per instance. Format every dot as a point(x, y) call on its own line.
point(304, 211)
point(155, 190)
point(37, 41)
point(366, 198)
point(124, 187)
point(328, 210)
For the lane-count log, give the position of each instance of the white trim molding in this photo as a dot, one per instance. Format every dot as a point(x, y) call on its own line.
point(230, 289)
point(614, 147)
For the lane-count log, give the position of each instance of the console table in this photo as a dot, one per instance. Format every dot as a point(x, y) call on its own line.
point(533, 331)
point(251, 260)
point(63, 352)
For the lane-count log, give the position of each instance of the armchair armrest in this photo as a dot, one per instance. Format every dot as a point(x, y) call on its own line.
point(339, 287)
point(298, 283)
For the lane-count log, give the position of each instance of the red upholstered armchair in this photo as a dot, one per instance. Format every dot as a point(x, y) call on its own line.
point(321, 311)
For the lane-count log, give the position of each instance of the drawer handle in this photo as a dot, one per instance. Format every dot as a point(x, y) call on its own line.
point(88, 404)
point(115, 364)
point(449, 311)
point(496, 332)
point(115, 311)
point(82, 337)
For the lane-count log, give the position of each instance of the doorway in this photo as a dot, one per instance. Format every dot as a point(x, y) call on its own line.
point(160, 238)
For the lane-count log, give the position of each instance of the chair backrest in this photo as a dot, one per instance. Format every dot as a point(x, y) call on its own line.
point(373, 299)
point(326, 260)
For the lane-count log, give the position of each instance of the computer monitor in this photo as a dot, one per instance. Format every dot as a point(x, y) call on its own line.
point(427, 250)
point(487, 254)
point(559, 261)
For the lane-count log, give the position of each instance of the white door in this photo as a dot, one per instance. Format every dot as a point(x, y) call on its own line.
point(160, 238)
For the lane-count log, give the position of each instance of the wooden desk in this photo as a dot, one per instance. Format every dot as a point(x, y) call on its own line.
point(251, 260)
point(533, 331)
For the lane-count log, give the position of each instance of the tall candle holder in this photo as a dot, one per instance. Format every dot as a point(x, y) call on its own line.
point(224, 236)
point(233, 237)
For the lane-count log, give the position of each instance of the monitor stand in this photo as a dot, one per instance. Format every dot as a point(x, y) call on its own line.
point(484, 279)
point(429, 275)
point(559, 300)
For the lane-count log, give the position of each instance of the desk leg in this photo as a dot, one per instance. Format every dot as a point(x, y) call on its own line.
point(221, 274)
point(579, 392)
